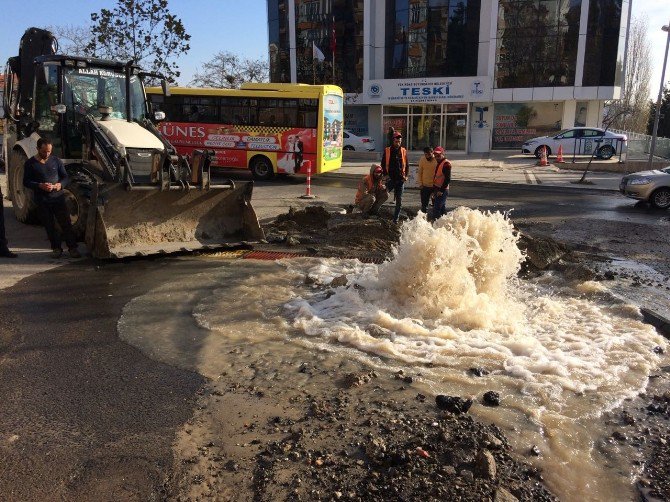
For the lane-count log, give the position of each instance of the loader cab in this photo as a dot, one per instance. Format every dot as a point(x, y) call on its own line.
point(68, 90)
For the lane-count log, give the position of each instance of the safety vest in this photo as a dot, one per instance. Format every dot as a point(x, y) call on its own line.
point(403, 155)
point(366, 185)
point(438, 179)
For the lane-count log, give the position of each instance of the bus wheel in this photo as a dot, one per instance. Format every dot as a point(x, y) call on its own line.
point(261, 168)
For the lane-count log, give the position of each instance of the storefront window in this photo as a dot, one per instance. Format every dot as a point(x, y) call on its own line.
point(514, 123)
point(536, 43)
point(432, 38)
point(429, 125)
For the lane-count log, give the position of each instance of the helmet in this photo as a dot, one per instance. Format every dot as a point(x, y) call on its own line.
point(438, 150)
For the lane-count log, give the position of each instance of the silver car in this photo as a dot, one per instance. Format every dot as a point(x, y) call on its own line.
point(649, 186)
point(580, 141)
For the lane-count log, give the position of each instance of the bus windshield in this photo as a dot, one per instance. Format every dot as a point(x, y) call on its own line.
point(85, 89)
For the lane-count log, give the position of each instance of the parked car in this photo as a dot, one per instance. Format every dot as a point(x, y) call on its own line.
point(579, 140)
point(358, 143)
point(649, 186)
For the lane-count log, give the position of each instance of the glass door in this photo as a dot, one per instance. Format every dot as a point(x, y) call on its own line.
point(455, 132)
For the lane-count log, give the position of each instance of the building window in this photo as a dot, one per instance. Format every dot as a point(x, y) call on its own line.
point(429, 125)
point(335, 28)
point(280, 65)
point(432, 38)
point(514, 123)
point(603, 59)
point(536, 43)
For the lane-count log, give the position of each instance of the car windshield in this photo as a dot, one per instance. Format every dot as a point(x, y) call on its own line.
point(85, 89)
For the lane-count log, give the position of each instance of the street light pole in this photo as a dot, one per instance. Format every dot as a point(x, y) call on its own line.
point(658, 101)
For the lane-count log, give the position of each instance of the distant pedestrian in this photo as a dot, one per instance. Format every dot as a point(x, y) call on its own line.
point(371, 192)
point(396, 167)
point(4, 250)
point(45, 175)
point(389, 136)
point(427, 165)
point(441, 181)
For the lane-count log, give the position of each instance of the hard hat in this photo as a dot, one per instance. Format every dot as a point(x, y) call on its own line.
point(377, 169)
point(397, 135)
point(438, 150)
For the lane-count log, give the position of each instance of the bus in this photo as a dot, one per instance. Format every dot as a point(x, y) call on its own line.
point(266, 128)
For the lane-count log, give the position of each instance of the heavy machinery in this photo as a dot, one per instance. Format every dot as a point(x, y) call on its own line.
point(130, 193)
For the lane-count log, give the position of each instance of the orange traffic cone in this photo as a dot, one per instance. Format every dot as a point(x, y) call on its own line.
point(543, 158)
point(559, 156)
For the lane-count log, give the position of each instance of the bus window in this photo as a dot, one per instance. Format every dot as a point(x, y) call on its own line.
point(199, 110)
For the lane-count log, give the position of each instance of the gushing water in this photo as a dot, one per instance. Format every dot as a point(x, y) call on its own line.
point(559, 354)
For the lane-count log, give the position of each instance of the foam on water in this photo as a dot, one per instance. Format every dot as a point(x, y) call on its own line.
point(450, 298)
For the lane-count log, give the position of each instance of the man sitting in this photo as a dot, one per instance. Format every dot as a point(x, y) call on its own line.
point(371, 192)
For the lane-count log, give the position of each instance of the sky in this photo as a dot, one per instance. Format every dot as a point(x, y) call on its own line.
point(237, 26)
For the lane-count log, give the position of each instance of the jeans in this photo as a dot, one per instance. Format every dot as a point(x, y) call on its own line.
point(52, 210)
point(398, 187)
point(440, 204)
point(425, 198)
point(3, 238)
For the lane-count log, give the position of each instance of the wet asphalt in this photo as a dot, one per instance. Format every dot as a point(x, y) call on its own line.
point(83, 416)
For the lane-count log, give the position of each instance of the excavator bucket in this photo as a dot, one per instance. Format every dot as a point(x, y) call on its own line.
point(139, 222)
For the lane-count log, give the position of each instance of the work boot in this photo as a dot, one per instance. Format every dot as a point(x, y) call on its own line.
point(56, 253)
point(6, 253)
point(74, 253)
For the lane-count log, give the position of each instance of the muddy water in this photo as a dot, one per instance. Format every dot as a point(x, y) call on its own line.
point(559, 354)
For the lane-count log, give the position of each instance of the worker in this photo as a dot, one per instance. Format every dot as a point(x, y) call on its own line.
point(371, 192)
point(441, 181)
point(45, 175)
point(4, 249)
point(427, 165)
point(396, 167)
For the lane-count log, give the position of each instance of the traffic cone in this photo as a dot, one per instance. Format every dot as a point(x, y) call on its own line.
point(559, 156)
point(543, 158)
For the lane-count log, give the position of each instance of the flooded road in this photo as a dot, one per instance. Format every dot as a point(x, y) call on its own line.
point(560, 354)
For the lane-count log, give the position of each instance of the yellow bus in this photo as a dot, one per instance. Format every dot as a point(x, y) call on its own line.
point(267, 128)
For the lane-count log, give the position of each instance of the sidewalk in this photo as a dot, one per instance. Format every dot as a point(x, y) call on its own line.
point(501, 167)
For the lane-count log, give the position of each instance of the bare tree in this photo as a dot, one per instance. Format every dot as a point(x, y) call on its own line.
point(635, 95)
point(228, 71)
point(73, 40)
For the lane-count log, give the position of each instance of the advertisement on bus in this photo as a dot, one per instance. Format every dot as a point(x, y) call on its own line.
point(288, 148)
point(332, 127)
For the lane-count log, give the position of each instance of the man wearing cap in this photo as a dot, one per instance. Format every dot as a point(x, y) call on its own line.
point(427, 165)
point(396, 167)
point(371, 192)
point(441, 181)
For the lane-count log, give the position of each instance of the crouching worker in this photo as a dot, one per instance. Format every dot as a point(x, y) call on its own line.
point(371, 191)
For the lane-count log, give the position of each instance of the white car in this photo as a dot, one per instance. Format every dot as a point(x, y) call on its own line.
point(358, 143)
point(579, 140)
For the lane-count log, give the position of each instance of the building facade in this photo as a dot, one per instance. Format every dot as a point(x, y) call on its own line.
point(470, 75)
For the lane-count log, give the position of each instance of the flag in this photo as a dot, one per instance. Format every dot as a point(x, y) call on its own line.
point(316, 53)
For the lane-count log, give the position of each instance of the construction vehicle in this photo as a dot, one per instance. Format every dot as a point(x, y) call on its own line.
point(130, 193)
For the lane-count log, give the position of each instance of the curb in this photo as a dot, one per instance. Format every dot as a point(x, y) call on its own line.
point(657, 321)
point(522, 186)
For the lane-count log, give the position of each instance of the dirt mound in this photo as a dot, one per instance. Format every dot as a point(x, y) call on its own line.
point(310, 217)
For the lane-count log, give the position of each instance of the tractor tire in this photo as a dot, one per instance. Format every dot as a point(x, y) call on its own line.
point(22, 197)
point(78, 200)
point(261, 168)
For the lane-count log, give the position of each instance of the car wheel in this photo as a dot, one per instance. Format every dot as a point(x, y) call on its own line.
point(261, 168)
point(349, 147)
point(606, 152)
point(538, 151)
point(660, 198)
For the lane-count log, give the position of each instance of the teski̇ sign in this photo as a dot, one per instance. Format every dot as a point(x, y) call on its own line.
point(420, 90)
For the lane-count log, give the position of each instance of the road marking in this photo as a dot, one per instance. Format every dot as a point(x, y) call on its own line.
point(529, 179)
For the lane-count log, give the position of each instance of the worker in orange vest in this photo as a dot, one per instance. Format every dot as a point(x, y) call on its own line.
point(371, 192)
point(427, 165)
point(441, 182)
point(396, 167)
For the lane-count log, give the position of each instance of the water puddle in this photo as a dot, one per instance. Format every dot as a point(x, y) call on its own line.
point(559, 354)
